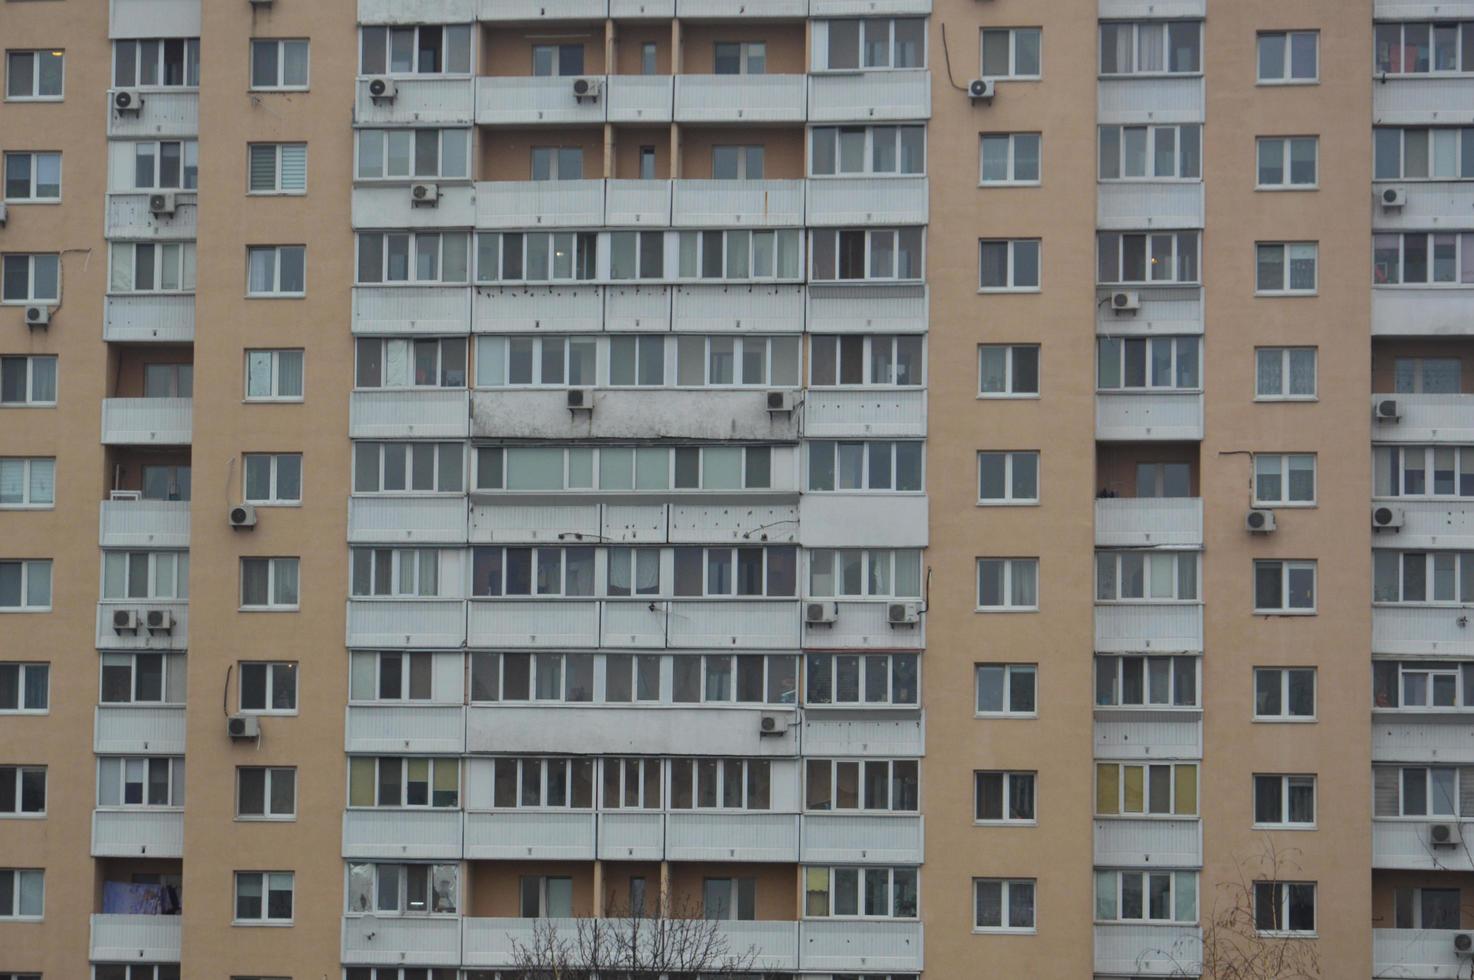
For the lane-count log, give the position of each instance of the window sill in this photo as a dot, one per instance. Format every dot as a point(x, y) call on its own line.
point(1003, 931)
point(1009, 290)
point(1007, 396)
point(271, 401)
point(1146, 76)
point(22, 201)
point(1010, 183)
point(249, 818)
point(1006, 715)
point(1284, 188)
point(1289, 826)
point(1285, 934)
point(261, 924)
point(277, 89)
point(268, 609)
point(1286, 293)
point(268, 713)
point(1290, 82)
point(28, 815)
point(1005, 609)
point(1286, 504)
point(41, 507)
point(25, 609)
point(251, 193)
point(1284, 613)
point(1005, 823)
point(1302, 399)
point(277, 504)
point(1283, 720)
point(35, 98)
point(276, 296)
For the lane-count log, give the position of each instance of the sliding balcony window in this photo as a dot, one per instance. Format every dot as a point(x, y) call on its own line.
point(871, 679)
point(145, 575)
point(740, 255)
point(1142, 363)
point(1146, 682)
point(401, 154)
point(1413, 685)
point(408, 467)
point(1156, 789)
point(1151, 576)
point(1417, 791)
point(853, 573)
point(1173, 47)
point(430, 49)
point(543, 572)
point(1147, 258)
point(396, 572)
point(1151, 152)
point(1423, 577)
point(393, 781)
point(725, 678)
point(631, 784)
point(393, 677)
point(418, 257)
point(1410, 48)
point(1423, 153)
point(880, 466)
point(1146, 896)
point(165, 165)
point(542, 677)
point(155, 781)
point(867, 360)
point(1423, 259)
point(855, 893)
point(535, 256)
point(859, 255)
point(719, 361)
point(770, 572)
point(720, 784)
point(636, 255)
point(157, 63)
point(861, 786)
point(405, 363)
point(865, 151)
point(402, 889)
point(626, 468)
point(552, 362)
point(874, 43)
point(146, 267)
point(544, 784)
point(142, 678)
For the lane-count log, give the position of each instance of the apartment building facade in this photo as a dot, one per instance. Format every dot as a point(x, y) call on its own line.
point(869, 475)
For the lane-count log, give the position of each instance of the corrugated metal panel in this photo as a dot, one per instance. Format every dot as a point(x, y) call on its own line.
point(1408, 311)
point(871, 412)
point(421, 729)
point(1425, 630)
point(1164, 310)
point(1427, 953)
point(144, 318)
point(838, 731)
point(863, 520)
point(494, 942)
point(1151, 9)
point(629, 729)
point(505, 520)
point(406, 834)
point(550, 835)
point(154, 833)
point(740, 98)
point(775, 944)
point(432, 623)
point(731, 836)
point(862, 625)
point(532, 10)
point(442, 101)
point(1149, 416)
point(756, 309)
point(546, 309)
point(871, 96)
point(861, 8)
point(165, 114)
point(144, 524)
point(433, 940)
point(629, 523)
point(1441, 101)
point(634, 9)
point(1128, 734)
point(423, 413)
point(1404, 845)
point(130, 938)
point(1445, 206)
point(765, 624)
point(737, 203)
point(540, 204)
point(639, 98)
point(1142, 205)
point(631, 835)
point(147, 421)
point(1150, 100)
point(842, 945)
point(854, 201)
point(843, 838)
point(1447, 523)
point(154, 18)
point(1142, 521)
point(637, 308)
point(1158, 843)
point(530, 99)
point(633, 623)
point(1386, 790)
point(1421, 9)
point(534, 623)
point(416, 11)
point(435, 310)
point(128, 216)
point(863, 309)
point(1125, 627)
point(1425, 419)
point(697, 522)
point(392, 206)
point(755, 9)
point(407, 520)
point(1443, 739)
point(637, 203)
point(1148, 951)
point(176, 638)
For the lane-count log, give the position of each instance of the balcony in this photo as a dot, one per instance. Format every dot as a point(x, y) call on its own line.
point(1129, 843)
point(1151, 100)
point(169, 113)
point(844, 838)
point(540, 204)
point(494, 942)
point(1420, 9)
point(1422, 630)
point(522, 100)
point(870, 96)
point(1427, 311)
point(631, 835)
point(642, 9)
point(126, 729)
point(515, 519)
point(420, 729)
point(428, 101)
point(628, 413)
point(138, 833)
point(854, 730)
point(431, 940)
point(425, 11)
point(741, 98)
point(128, 216)
point(1146, 522)
point(1134, 9)
point(512, 835)
point(1426, 418)
point(1447, 523)
point(880, 412)
point(1403, 845)
point(158, 318)
point(1147, 205)
point(852, 201)
point(146, 421)
point(546, 309)
point(144, 524)
point(840, 946)
point(755, 9)
point(399, 310)
point(862, 520)
point(542, 10)
point(1148, 950)
point(419, 623)
point(755, 309)
point(1442, 735)
point(757, 624)
point(864, 625)
point(1140, 416)
point(1148, 733)
point(1427, 954)
point(1149, 627)
point(737, 203)
point(110, 637)
point(135, 938)
point(836, 308)
point(709, 730)
point(743, 836)
point(1443, 205)
point(1424, 100)
point(639, 98)
point(637, 203)
point(426, 834)
point(409, 413)
point(640, 309)
point(1164, 310)
point(391, 206)
point(407, 520)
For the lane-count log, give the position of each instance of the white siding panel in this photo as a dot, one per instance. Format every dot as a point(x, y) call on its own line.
point(737, 203)
point(420, 623)
point(1148, 627)
point(871, 96)
point(1158, 843)
point(739, 836)
point(1426, 418)
point(838, 731)
point(1401, 311)
point(1147, 950)
point(1148, 205)
point(740, 98)
point(851, 201)
point(510, 835)
point(147, 421)
point(545, 309)
point(540, 204)
point(862, 520)
point(428, 101)
point(1142, 416)
point(642, 309)
point(534, 623)
point(176, 638)
point(1164, 310)
point(497, 520)
point(528, 99)
point(423, 729)
point(1155, 100)
point(1148, 734)
point(407, 520)
point(640, 99)
point(408, 834)
point(169, 114)
point(863, 625)
point(416, 11)
point(1424, 101)
point(713, 523)
point(1124, 522)
point(129, 217)
point(154, 18)
point(839, 945)
point(765, 624)
point(631, 835)
point(843, 838)
point(865, 309)
point(144, 524)
point(1422, 630)
point(869, 412)
point(130, 938)
point(750, 309)
point(150, 832)
point(432, 940)
point(637, 203)
point(148, 319)
point(421, 413)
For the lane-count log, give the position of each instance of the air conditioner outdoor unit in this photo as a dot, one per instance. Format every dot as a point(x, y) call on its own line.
point(1387, 410)
point(580, 399)
point(1387, 518)
point(4, 215)
point(243, 727)
point(382, 89)
point(981, 90)
point(1444, 834)
point(587, 89)
point(427, 195)
point(1464, 943)
point(820, 612)
point(163, 202)
point(1125, 301)
point(1394, 197)
point(773, 725)
point(242, 516)
point(38, 316)
point(903, 613)
point(158, 620)
point(1259, 521)
point(782, 401)
point(127, 100)
point(125, 621)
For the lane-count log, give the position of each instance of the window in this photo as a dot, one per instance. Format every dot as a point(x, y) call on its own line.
point(146, 267)
point(1284, 587)
point(30, 278)
point(265, 793)
point(273, 478)
point(145, 574)
point(1281, 480)
point(740, 58)
point(402, 888)
point(407, 363)
point(168, 380)
point(1423, 577)
point(1417, 791)
point(430, 49)
point(1284, 906)
point(648, 58)
point(27, 482)
point(273, 375)
point(740, 572)
point(1146, 682)
point(640, 362)
point(278, 168)
point(269, 583)
point(1162, 480)
point(535, 256)
point(1151, 576)
point(1428, 375)
point(1127, 363)
point(24, 688)
point(1151, 152)
point(713, 361)
point(392, 781)
point(876, 785)
point(557, 163)
point(22, 892)
point(718, 679)
point(276, 270)
point(1423, 259)
point(876, 42)
point(870, 679)
point(840, 150)
point(403, 153)
point(1284, 373)
point(1284, 693)
point(541, 783)
point(1287, 162)
point(388, 257)
point(263, 897)
point(1422, 48)
point(279, 64)
point(647, 159)
point(1012, 52)
point(1285, 268)
point(631, 784)
point(621, 468)
point(1414, 153)
point(27, 381)
point(1010, 158)
point(1148, 258)
point(1140, 789)
point(764, 255)
point(34, 75)
point(400, 572)
point(852, 254)
point(1146, 896)
point(1171, 47)
point(32, 177)
point(142, 678)
point(557, 59)
point(637, 254)
point(269, 687)
point(1003, 905)
point(880, 466)
point(1007, 689)
point(1008, 478)
point(872, 893)
point(166, 165)
point(866, 359)
point(157, 62)
point(1008, 584)
point(737, 162)
point(729, 899)
point(1011, 265)
point(727, 784)
point(130, 781)
point(1290, 57)
point(1286, 802)
point(1004, 797)
point(25, 585)
point(408, 467)
point(636, 677)
point(853, 573)
point(1008, 370)
point(1422, 686)
point(23, 791)
point(1427, 908)
point(393, 676)
point(566, 572)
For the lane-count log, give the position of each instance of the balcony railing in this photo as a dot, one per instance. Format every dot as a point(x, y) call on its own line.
point(691, 835)
point(1149, 416)
point(1425, 418)
point(1129, 522)
point(129, 217)
point(843, 946)
point(141, 833)
point(844, 838)
point(1423, 630)
point(116, 634)
point(168, 113)
point(1422, 953)
point(1149, 950)
point(851, 730)
point(1148, 733)
point(407, 520)
point(436, 310)
point(1446, 522)
point(1149, 100)
point(1148, 627)
point(144, 524)
point(160, 318)
point(1405, 845)
point(871, 96)
point(1422, 100)
point(737, 203)
point(740, 98)
point(423, 101)
point(393, 206)
point(135, 938)
point(1144, 205)
point(409, 834)
point(632, 413)
point(1411, 735)
point(539, 10)
point(421, 729)
point(1164, 310)
point(850, 201)
point(432, 940)
point(866, 624)
point(147, 421)
point(421, 623)
point(522, 100)
point(127, 729)
point(860, 308)
point(624, 730)
point(540, 204)
point(1426, 311)
point(1130, 9)
point(1153, 842)
point(420, 413)
point(513, 835)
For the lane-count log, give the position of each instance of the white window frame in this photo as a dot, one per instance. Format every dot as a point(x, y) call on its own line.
point(1011, 471)
point(1008, 585)
point(636, 256)
point(442, 453)
point(1147, 766)
point(18, 875)
point(1286, 356)
point(827, 670)
point(1138, 28)
point(278, 155)
point(173, 767)
point(1283, 783)
point(1173, 260)
point(1283, 684)
point(35, 79)
point(1009, 778)
point(1009, 352)
point(1428, 803)
point(875, 239)
point(268, 882)
point(1285, 287)
point(1011, 159)
point(1287, 565)
point(384, 139)
point(275, 292)
point(1118, 558)
point(1013, 53)
point(189, 165)
point(271, 669)
point(33, 470)
point(1177, 362)
point(1463, 242)
point(582, 247)
point(891, 446)
point(550, 771)
point(276, 375)
point(434, 764)
point(1012, 267)
point(870, 147)
point(1465, 63)
point(23, 670)
point(1112, 668)
point(832, 768)
point(1400, 461)
point(370, 666)
point(414, 573)
point(1457, 136)
point(885, 563)
point(1006, 887)
point(537, 554)
point(190, 64)
point(279, 84)
point(1175, 877)
point(269, 776)
point(173, 564)
point(1282, 913)
point(1009, 671)
point(1151, 134)
point(31, 196)
point(273, 563)
point(433, 245)
point(172, 683)
point(876, 351)
point(30, 568)
point(123, 268)
point(16, 776)
point(273, 465)
point(1280, 463)
point(1286, 68)
point(832, 875)
point(31, 294)
point(1284, 146)
point(486, 360)
point(414, 49)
